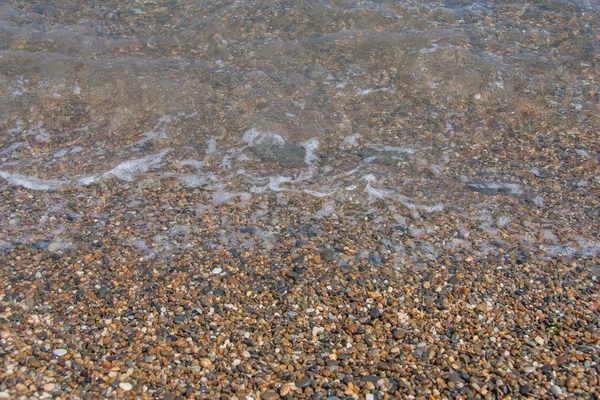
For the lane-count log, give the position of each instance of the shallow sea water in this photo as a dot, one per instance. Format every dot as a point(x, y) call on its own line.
point(424, 109)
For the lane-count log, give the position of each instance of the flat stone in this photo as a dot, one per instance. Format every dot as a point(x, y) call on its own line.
point(49, 387)
point(126, 386)
point(59, 352)
point(304, 382)
point(269, 396)
point(557, 391)
point(217, 271)
point(328, 254)
point(482, 187)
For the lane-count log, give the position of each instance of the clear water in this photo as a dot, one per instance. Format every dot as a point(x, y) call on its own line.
point(427, 106)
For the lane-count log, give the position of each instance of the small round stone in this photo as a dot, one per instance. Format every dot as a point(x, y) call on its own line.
point(557, 391)
point(217, 271)
point(126, 386)
point(328, 254)
point(304, 382)
point(48, 387)
point(59, 352)
point(269, 396)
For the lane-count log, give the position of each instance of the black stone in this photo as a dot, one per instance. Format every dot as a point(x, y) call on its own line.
point(302, 383)
point(525, 389)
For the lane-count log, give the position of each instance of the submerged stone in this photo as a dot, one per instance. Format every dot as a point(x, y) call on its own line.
point(273, 147)
point(482, 187)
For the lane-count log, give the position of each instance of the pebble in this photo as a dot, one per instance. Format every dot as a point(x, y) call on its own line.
point(328, 254)
point(426, 285)
point(217, 271)
point(557, 391)
point(304, 382)
point(126, 386)
point(285, 389)
point(269, 396)
point(525, 389)
point(54, 247)
point(49, 387)
point(59, 352)
point(572, 382)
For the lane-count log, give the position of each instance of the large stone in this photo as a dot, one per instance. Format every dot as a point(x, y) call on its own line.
point(272, 147)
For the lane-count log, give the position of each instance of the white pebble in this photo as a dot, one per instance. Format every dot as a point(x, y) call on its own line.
point(4, 395)
point(59, 352)
point(217, 271)
point(126, 386)
point(556, 390)
point(317, 330)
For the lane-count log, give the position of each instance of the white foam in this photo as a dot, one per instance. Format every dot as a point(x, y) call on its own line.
point(61, 153)
point(251, 135)
point(538, 201)
point(31, 182)
point(317, 193)
point(193, 181)
point(363, 92)
point(352, 140)
point(396, 149)
point(588, 248)
point(275, 182)
point(549, 235)
point(159, 131)
point(11, 148)
point(562, 250)
point(193, 163)
point(326, 210)
point(431, 49)
point(41, 135)
point(17, 129)
point(503, 221)
point(310, 146)
point(20, 89)
point(221, 196)
point(88, 180)
point(211, 147)
point(127, 170)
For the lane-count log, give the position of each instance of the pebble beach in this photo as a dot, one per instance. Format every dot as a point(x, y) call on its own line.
point(338, 200)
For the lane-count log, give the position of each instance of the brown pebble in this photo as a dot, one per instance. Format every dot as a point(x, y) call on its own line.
point(572, 382)
point(285, 389)
point(399, 334)
point(317, 259)
point(426, 285)
point(269, 396)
